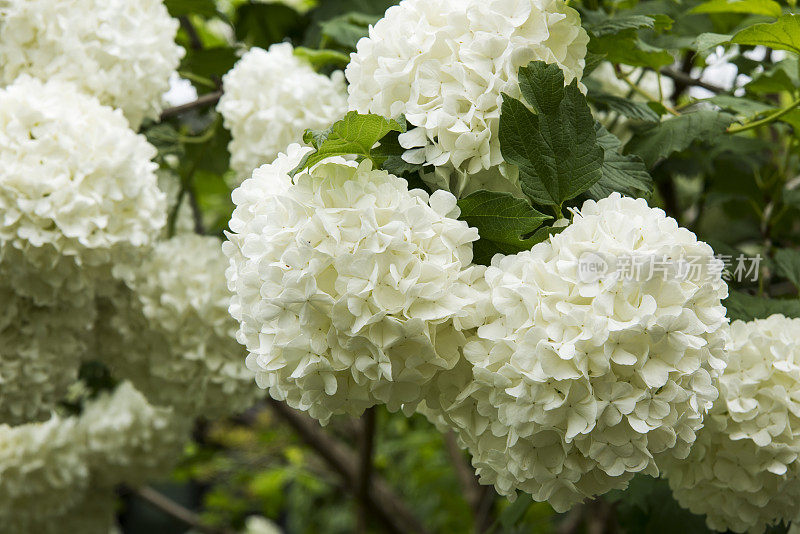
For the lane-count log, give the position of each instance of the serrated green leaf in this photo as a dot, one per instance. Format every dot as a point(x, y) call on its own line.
point(179, 8)
point(784, 34)
point(782, 76)
point(788, 263)
point(504, 223)
point(624, 174)
point(676, 134)
point(743, 107)
point(355, 135)
point(346, 30)
point(769, 8)
point(746, 307)
point(613, 25)
point(706, 41)
point(555, 149)
point(626, 107)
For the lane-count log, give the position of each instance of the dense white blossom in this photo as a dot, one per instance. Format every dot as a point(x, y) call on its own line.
point(78, 192)
point(743, 472)
point(120, 51)
point(43, 470)
point(444, 64)
point(350, 289)
point(270, 98)
point(169, 331)
point(40, 355)
point(129, 440)
point(578, 381)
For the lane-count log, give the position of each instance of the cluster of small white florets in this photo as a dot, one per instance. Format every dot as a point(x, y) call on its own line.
point(63, 471)
point(78, 191)
point(743, 472)
point(579, 382)
point(444, 64)
point(169, 331)
point(349, 288)
point(122, 52)
point(270, 98)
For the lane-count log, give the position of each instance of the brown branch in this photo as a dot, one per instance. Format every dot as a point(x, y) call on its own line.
point(209, 99)
point(173, 509)
point(194, 38)
point(686, 80)
point(366, 446)
point(387, 506)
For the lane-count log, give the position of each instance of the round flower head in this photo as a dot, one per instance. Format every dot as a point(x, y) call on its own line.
point(743, 472)
point(582, 375)
point(444, 64)
point(270, 98)
point(127, 439)
point(122, 52)
point(349, 288)
point(43, 472)
point(40, 355)
point(78, 191)
point(171, 335)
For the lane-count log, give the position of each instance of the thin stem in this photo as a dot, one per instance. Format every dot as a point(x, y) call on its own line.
point(685, 79)
point(209, 99)
point(366, 448)
point(650, 98)
point(766, 120)
point(176, 510)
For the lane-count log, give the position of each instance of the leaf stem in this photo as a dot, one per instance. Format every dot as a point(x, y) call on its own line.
point(766, 120)
point(650, 98)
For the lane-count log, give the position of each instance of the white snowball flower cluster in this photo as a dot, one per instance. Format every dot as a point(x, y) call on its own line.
point(270, 98)
point(170, 332)
point(127, 439)
point(350, 289)
point(40, 355)
point(578, 381)
point(78, 191)
point(444, 64)
point(122, 52)
point(744, 473)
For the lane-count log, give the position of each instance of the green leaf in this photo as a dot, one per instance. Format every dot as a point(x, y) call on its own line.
point(511, 515)
point(782, 76)
point(266, 24)
point(555, 149)
point(769, 8)
point(179, 8)
point(322, 58)
point(504, 223)
point(741, 106)
point(625, 174)
point(625, 47)
point(788, 263)
point(784, 34)
point(617, 24)
point(677, 134)
point(629, 108)
point(346, 30)
point(746, 307)
point(355, 135)
point(210, 62)
point(592, 62)
point(706, 41)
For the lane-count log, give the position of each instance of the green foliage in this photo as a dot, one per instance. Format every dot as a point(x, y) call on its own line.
point(625, 173)
point(346, 30)
point(781, 35)
point(746, 307)
point(787, 262)
point(503, 222)
point(265, 24)
point(203, 8)
point(769, 8)
point(555, 148)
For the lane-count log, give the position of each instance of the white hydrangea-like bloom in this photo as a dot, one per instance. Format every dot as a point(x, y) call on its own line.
point(119, 51)
point(579, 379)
point(78, 191)
point(270, 98)
point(444, 64)
point(260, 525)
point(40, 355)
point(349, 288)
point(43, 469)
point(743, 472)
point(170, 332)
point(129, 440)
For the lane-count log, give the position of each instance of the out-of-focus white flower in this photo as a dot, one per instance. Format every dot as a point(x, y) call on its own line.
point(169, 332)
point(78, 192)
point(122, 52)
point(444, 64)
point(129, 440)
point(260, 525)
point(350, 289)
point(40, 355)
point(43, 469)
point(579, 381)
point(270, 98)
point(743, 472)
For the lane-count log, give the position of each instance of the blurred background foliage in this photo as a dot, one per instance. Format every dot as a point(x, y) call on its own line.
point(739, 192)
